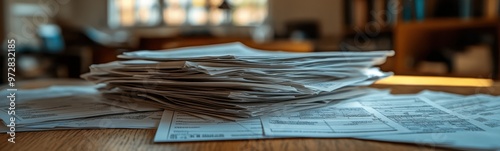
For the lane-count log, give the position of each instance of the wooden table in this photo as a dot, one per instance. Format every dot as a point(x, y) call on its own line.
point(137, 139)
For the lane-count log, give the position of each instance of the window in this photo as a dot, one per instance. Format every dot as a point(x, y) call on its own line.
point(130, 13)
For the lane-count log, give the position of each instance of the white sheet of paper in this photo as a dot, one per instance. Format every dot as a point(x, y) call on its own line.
point(459, 140)
point(345, 120)
point(139, 120)
point(435, 96)
point(482, 108)
point(23, 95)
point(420, 115)
point(180, 127)
point(432, 124)
point(67, 107)
point(236, 49)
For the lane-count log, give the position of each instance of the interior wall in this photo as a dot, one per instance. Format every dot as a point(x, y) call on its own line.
point(327, 12)
point(84, 12)
point(90, 13)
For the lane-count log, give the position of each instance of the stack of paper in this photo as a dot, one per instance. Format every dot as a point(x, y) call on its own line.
point(233, 81)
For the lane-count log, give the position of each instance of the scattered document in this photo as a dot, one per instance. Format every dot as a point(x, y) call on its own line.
point(67, 107)
point(141, 120)
point(138, 120)
point(51, 92)
point(70, 107)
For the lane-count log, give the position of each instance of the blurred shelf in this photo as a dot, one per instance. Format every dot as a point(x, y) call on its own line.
point(414, 38)
point(447, 23)
point(380, 30)
point(417, 28)
point(456, 75)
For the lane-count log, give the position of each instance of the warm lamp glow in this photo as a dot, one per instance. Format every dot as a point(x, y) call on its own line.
point(198, 16)
point(174, 15)
point(145, 13)
point(198, 3)
point(436, 81)
point(217, 16)
point(127, 9)
point(248, 15)
point(215, 2)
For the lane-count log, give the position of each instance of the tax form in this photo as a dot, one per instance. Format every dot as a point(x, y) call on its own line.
point(181, 127)
point(419, 115)
point(482, 108)
point(343, 120)
point(432, 124)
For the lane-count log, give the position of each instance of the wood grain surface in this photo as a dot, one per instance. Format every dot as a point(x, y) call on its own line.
point(137, 139)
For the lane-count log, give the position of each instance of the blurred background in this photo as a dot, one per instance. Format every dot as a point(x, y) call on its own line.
point(61, 38)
